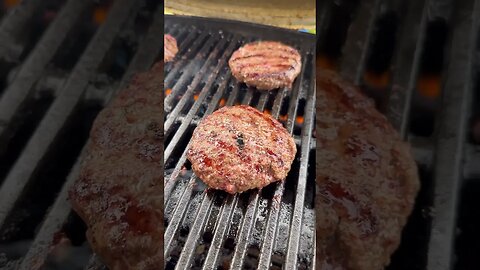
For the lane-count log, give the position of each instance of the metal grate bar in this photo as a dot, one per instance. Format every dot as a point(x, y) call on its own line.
point(181, 195)
point(223, 224)
point(245, 231)
point(231, 99)
point(191, 88)
point(182, 206)
point(263, 101)
point(203, 94)
point(56, 217)
point(407, 64)
point(177, 217)
point(358, 40)
point(62, 107)
point(193, 51)
point(193, 67)
point(250, 215)
point(197, 228)
point(471, 168)
point(35, 64)
point(296, 223)
point(203, 212)
point(271, 227)
point(14, 21)
point(248, 97)
point(452, 132)
point(38, 252)
point(147, 52)
point(189, 54)
point(169, 184)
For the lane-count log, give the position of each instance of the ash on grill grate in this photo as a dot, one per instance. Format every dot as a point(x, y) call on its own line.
point(419, 61)
point(207, 229)
point(55, 88)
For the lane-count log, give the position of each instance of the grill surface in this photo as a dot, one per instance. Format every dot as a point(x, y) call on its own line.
point(60, 62)
point(419, 60)
point(267, 229)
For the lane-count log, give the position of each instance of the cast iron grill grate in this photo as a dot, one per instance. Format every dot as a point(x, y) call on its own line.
point(54, 79)
point(419, 61)
point(205, 229)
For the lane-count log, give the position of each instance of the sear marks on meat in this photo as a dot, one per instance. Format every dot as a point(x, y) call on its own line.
point(266, 65)
point(239, 148)
point(170, 48)
point(366, 180)
point(119, 189)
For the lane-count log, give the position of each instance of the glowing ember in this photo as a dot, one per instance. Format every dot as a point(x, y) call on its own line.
point(10, 3)
point(299, 119)
point(377, 80)
point(99, 15)
point(429, 86)
point(222, 102)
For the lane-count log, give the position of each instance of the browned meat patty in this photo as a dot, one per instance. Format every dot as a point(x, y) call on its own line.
point(170, 48)
point(239, 148)
point(366, 180)
point(119, 189)
point(266, 65)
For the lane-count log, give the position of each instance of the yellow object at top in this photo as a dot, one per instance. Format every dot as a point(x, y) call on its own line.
point(281, 13)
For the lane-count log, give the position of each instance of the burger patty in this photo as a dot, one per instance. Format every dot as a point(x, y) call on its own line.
point(119, 189)
point(266, 65)
point(170, 48)
point(366, 180)
point(239, 148)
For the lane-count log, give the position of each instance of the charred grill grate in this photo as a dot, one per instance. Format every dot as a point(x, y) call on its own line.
point(60, 62)
point(205, 229)
point(419, 61)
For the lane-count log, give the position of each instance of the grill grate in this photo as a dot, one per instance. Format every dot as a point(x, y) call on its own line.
point(392, 49)
point(125, 42)
point(206, 229)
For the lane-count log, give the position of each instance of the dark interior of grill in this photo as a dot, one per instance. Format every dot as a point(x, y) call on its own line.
point(60, 62)
point(207, 229)
point(419, 61)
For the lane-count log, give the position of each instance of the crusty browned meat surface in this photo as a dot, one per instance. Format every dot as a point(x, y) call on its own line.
point(266, 65)
point(170, 48)
point(119, 190)
point(366, 180)
point(239, 148)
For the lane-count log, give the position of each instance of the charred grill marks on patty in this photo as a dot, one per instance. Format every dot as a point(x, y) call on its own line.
point(266, 65)
point(240, 142)
point(239, 148)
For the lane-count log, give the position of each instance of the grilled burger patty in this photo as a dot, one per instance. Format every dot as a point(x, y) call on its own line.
point(169, 47)
point(239, 148)
point(266, 65)
point(119, 189)
point(366, 180)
